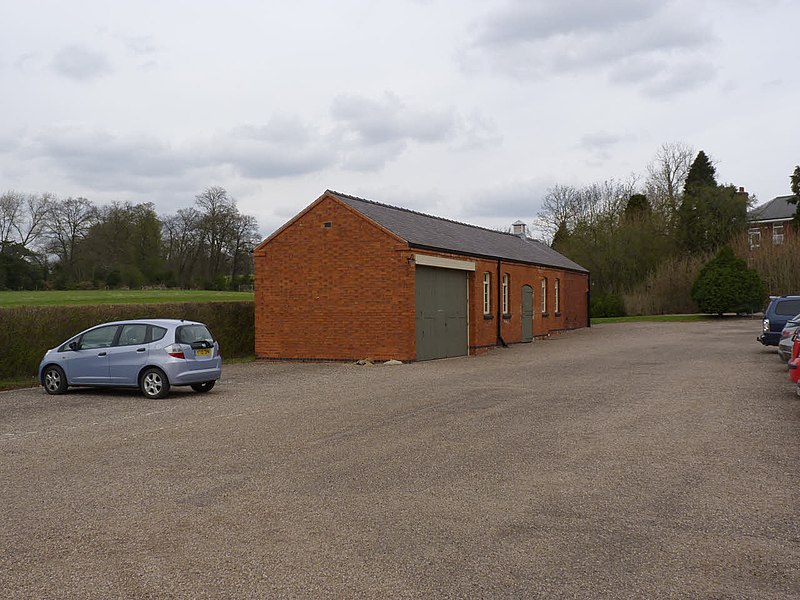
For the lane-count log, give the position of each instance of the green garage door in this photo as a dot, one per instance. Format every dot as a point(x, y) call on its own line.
point(441, 313)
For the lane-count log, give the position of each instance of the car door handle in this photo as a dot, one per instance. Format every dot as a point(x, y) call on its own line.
point(101, 354)
point(141, 349)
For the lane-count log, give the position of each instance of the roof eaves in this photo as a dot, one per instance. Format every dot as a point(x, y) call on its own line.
point(502, 258)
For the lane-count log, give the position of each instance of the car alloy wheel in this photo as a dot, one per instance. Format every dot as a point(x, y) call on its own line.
point(55, 381)
point(154, 383)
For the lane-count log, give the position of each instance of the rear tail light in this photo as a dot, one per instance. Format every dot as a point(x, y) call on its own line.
point(175, 351)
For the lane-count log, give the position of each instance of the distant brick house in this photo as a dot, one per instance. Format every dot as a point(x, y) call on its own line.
point(771, 223)
point(349, 278)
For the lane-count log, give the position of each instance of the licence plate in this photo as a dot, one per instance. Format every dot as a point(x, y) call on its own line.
point(203, 352)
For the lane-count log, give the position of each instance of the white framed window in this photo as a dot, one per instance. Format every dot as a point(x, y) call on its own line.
point(505, 294)
point(777, 234)
point(544, 294)
point(487, 290)
point(754, 235)
point(556, 296)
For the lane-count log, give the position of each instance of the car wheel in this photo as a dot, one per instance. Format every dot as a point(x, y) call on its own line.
point(154, 384)
point(54, 380)
point(203, 387)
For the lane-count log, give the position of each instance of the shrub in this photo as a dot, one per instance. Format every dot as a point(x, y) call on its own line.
point(29, 331)
point(606, 305)
point(726, 284)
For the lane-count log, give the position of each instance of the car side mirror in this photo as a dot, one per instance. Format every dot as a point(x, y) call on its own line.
point(73, 345)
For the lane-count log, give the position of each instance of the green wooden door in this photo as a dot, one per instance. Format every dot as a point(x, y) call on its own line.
point(527, 313)
point(441, 313)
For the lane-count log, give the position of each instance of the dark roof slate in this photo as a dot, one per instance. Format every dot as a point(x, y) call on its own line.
point(776, 209)
point(425, 231)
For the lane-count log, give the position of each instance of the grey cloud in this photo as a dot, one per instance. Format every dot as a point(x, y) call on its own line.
point(388, 119)
point(517, 200)
point(284, 147)
point(633, 42)
point(80, 63)
point(527, 21)
point(369, 133)
point(371, 158)
point(600, 143)
point(110, 162)
point(685, 77)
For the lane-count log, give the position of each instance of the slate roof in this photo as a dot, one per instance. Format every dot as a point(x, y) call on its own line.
point(776, 209)
point(434, 233)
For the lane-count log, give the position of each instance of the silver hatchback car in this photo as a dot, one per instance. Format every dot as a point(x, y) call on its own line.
point(149, 354)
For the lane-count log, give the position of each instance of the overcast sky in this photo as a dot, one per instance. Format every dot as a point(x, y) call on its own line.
point(467, 109)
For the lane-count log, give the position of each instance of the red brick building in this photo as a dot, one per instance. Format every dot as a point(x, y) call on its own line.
point(348, 278)
point(771, 223)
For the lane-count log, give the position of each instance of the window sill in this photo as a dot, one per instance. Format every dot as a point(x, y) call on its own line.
point(545, 314)
point(488, 317)
point(506, 315)
point(558, 313)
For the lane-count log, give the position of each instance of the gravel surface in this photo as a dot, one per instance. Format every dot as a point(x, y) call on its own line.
point(625, 461)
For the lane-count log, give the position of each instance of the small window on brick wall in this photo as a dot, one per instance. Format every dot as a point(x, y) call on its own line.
point(544, 295)
point(505, 294)
point(487, 290)
point(557, 295)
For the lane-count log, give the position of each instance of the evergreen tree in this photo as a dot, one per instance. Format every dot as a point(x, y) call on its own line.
point(638, 207)
point(561, 238)
point(794, 180)
point(701, 173)
point(726, 284)
point(709, 213)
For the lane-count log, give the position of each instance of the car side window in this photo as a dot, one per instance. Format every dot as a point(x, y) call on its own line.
point(102, 337)
point(133, 333)
point(787, 308)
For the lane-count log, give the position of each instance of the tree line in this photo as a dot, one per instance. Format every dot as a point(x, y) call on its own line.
point(48, 242)
point(646, 239)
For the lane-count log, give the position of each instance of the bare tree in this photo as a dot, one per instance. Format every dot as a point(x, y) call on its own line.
point(559, 209)
point(65, 225)
point(218, 211)
point(244, 237)
point(10, 210)
point(666, 176)
point(30, 228)
point(182, 243)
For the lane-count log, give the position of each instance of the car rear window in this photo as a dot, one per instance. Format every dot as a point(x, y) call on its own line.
point(186, 334)
point(787, 308)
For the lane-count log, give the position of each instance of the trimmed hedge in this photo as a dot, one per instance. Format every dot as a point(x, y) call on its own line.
point(27, 332)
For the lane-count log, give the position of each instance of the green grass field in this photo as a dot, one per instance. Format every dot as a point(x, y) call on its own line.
point(662, 318)
point(56, 297)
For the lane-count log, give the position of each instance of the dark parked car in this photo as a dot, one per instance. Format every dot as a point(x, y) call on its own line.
point(780, 310)
point(149, 354)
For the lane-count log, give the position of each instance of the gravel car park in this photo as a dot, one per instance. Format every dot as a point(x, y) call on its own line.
point(644, 460)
